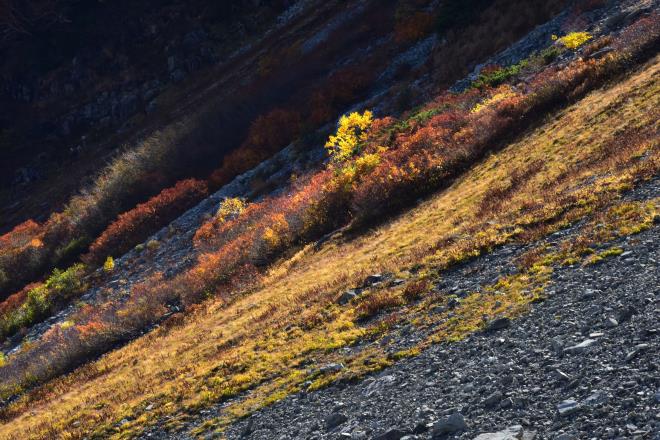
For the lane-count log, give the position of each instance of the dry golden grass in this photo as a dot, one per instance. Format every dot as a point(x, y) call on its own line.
point(254, 346)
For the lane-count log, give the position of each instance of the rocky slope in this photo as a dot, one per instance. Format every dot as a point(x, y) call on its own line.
point(582, 364)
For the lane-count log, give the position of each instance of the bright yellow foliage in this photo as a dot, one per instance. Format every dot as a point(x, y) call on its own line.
point(506, 93)
point(575, 39)
point(276, 233)
point(352, 132)
point(109, 264)
point(230, 209)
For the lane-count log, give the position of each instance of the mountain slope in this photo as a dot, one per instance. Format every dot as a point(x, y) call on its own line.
point(414, 234)
point(289, 331)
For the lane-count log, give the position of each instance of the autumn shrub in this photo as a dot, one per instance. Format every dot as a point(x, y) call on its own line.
point(639, 38)
point(267, 134)
point(414, 26)
point(574, 40)
point(352, 133)
point(15, 300)
point(20, 250)
point(37, 301)
point(416, 290)
point(136, 225)
point(498, 75)
point(377, 302)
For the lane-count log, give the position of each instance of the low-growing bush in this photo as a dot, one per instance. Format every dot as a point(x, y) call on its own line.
point(36, 302)
point(136, 225)
point(574, 40)
point(268, 134)
point(416, 290)
point(109, 265)
point(495, 76)
point(377, 302)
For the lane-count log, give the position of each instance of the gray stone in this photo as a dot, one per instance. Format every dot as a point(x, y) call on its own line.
point(515, 432)
point(568, 407)
point(493, 399)
point(498, 324)
point(596, 398)
point(611, 322)
point(347, 296)
point(579, 348)
point(637, 350)
point(392, 434)
point(334, 420)
point(331, 368)
point(373, 279)
point(449, 425)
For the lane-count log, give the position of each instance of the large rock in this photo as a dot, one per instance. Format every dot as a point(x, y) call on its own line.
point(347, 296)
point(498, 324)
point(334, 420)
point(568, 407)
point(579, 348)
point(392, 434)
point(515, 432)
point(449, 425)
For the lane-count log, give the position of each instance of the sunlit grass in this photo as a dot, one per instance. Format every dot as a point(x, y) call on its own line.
point(274, 339)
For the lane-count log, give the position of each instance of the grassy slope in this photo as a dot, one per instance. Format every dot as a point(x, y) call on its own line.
point(259, 341)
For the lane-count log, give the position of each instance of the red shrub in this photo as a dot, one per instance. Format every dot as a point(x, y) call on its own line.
point(640, 35)
point(414, 27)
point(268, 134)
point(15, 300)
point(341, 88)
point(22, 235)
point(136, 225)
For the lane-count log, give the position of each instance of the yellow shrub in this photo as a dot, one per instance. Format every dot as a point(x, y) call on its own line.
point(575, 39)
point(276, 233)
point(352, 132)
point(368, 162)
point(364, 164)
point(230, 209)
point(67, 324)
point(109, 264)
point(506, 93)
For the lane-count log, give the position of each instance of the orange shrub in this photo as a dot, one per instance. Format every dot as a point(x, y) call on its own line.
point(22, 235)
point(136, 225)
point(20, 251)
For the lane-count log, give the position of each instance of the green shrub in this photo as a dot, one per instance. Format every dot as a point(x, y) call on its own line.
point(499, 76)
point(41, 301)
